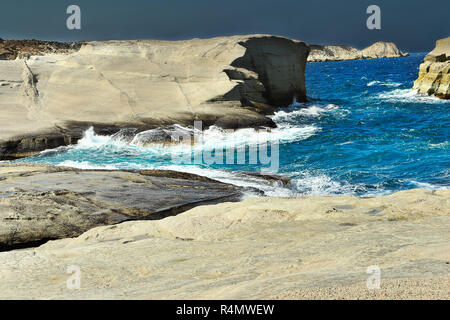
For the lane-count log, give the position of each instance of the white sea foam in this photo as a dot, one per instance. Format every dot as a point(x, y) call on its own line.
point(271, 189)
point(408, 95)
point(283, 134)
point(442, 145)
point(92, 140)
point(215, 137)
point(304, 184)
point(85, 165)
point(307, 183)
point(282, 116)
point(386, 84)
point(212, 138)
point(428, 186)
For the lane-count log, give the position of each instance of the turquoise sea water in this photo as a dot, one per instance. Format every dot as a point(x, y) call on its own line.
point(363, 132)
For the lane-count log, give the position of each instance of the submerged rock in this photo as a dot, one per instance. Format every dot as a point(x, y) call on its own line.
point(379, 49)
point(231, 82)
point(39, 202)
point(434, 72)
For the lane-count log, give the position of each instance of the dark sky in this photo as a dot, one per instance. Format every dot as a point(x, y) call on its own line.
point(414, 25)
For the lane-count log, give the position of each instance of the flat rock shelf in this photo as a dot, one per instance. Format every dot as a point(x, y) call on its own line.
point(39, 202)
point(297, 248)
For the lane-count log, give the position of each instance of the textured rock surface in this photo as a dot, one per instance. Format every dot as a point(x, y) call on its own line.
point(11, 49)
point(434, 72)
point(336, 52)
point(233, 82)
point(43, 202)
point(333, 53)
point(382, 49)
point(257, 248)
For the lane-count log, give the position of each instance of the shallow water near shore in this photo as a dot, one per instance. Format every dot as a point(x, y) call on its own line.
point(363, 132)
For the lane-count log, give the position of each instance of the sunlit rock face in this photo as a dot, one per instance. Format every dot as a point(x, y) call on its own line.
point(434, 72)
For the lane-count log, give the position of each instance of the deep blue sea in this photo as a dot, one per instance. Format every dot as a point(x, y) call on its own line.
point(363, 132)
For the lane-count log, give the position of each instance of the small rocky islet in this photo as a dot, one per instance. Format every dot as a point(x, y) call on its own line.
point(377, 50)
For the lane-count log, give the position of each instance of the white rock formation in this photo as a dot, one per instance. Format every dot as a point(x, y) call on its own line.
point(434, 72)
point(228, 81)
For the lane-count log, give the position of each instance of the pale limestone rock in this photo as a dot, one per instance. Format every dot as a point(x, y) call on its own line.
point(337, 52)
point(249, 250)
point(229, 81)
point(434, 72)
point(382, 49)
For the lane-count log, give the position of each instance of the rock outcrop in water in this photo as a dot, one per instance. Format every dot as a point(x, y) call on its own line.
point(434, 72)
point(337, 52)
point(382, 49)
point(232, 82)
point(307, 247)
point(39, 202)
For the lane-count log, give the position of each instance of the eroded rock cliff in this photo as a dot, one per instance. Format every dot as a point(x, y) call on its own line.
point(434, 72)
point(232, 82)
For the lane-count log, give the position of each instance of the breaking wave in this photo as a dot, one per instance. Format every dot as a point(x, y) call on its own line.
point(408, 96)
point(363, 137)
point(282, 116)
point(386, 84)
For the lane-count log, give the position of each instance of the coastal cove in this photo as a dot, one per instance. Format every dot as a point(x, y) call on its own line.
point(370, 135)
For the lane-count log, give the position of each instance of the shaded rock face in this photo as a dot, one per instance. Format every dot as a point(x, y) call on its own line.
point(231, 82)
point(39, 202)
point(248, 250)
point(434, 72)
point(337, 52)
point(285, 79)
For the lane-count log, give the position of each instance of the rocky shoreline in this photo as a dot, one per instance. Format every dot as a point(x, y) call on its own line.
point(434, 72)
point(297, 248)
